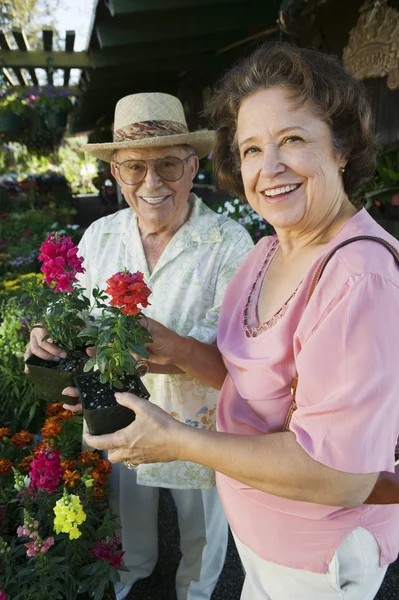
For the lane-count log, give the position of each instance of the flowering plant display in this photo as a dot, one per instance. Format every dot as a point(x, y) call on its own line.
point(58, 303)
point(117, 333)
point(57, 536)
point(244, 214)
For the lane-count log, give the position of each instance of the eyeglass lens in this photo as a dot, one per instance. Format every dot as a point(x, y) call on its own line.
point(170, 168)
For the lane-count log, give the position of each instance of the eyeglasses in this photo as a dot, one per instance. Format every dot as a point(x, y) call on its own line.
point(169, 168)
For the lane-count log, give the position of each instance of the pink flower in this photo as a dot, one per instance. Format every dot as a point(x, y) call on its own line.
point(60, 262)
point(47, 545)
point(32, 549)
point(46, 471)
point(3, 595)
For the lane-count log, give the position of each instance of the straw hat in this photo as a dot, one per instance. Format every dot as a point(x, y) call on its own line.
point(151, 120)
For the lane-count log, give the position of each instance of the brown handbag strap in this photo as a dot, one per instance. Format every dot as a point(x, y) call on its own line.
point(315, 281)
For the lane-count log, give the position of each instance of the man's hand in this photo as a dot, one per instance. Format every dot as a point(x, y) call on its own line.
point(45, 349)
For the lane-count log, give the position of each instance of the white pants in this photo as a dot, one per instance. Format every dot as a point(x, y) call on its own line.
point(203, 533)
point(353, 574)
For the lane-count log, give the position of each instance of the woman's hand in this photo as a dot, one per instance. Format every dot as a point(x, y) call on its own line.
point(45, 349)
point(152, 437)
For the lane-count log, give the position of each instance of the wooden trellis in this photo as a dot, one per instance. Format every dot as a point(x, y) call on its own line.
point(48, 59)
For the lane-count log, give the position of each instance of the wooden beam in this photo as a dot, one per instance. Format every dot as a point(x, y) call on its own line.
point(69, 44)
point(73, 90)
point(7, 76)
point(47, 39)
point(136, 54)
point(128, 7)
point(4, 41)
point(23, 45)
point(194, 23)
point(69, 40)
point(163, 67)
point(48, 46)
point(39, 59)
point(21, 77)
point(5, 45)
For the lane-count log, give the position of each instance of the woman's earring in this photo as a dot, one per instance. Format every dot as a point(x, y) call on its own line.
point(341, 169)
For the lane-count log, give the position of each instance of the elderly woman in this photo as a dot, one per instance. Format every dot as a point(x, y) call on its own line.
point(188, 254)
point(294, 137)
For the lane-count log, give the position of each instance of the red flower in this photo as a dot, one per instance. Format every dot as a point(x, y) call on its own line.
point(22, 439)
point(128, 290)
point(60, 262)
point(105, 550)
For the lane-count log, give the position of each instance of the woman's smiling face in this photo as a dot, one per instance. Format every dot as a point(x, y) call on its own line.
point(288, 165)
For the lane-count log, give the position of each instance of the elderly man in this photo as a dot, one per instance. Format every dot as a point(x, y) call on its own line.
point(188, 254)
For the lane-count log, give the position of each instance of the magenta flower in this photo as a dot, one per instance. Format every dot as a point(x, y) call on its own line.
point(46, 471)
point(3, 595)
point(105, 550)
point(60, 262)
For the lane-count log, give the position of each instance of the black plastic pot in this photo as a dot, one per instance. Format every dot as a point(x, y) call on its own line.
point(101, 411)
point(51, 377)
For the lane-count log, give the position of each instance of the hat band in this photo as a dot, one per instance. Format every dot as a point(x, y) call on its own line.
point(145, 129)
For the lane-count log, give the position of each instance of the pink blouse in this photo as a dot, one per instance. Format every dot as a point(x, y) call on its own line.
point(345, 345)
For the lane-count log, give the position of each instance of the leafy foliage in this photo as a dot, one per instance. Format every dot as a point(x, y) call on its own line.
point(114, 335)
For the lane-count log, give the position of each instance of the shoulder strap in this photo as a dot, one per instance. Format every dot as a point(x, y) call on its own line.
point(315, 281)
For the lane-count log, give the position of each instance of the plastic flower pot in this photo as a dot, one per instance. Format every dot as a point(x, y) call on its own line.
point(51, 377)
point(101, 411)
point(10, 123)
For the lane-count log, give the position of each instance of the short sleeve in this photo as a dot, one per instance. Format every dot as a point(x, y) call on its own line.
point(233, 250)
point(348, 388)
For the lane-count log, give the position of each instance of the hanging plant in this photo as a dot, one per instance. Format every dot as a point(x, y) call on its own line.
point(36, 119)
point(11, 111)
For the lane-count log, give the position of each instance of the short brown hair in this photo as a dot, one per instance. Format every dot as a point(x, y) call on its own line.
point(338, 99)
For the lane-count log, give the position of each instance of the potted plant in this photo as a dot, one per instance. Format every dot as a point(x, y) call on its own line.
point(58, 304)
point(115, 335)
point(53, 105)
point(11, 110)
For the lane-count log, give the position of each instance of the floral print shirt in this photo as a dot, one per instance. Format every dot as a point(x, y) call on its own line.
point(188, 285)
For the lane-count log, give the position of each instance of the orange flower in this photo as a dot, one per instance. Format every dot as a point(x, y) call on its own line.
point(68, 465)
point(65, 415)
point(25, 463)
point(104, 466)
point(5, 432)
point(5, 466)
point(97, 493)
point(70, 478)
point(55, 409)
point(51, 428)
point(88, 458)
point(22, 439)
point(41, 446)
point(98, 476)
